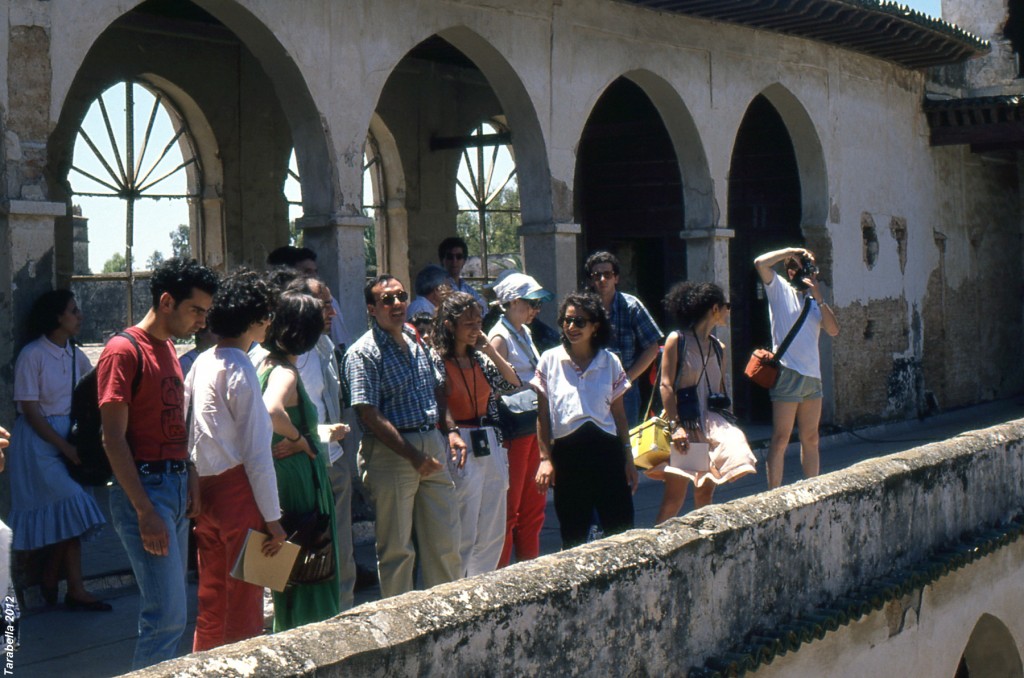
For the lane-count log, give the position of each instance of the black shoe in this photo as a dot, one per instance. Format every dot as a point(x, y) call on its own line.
point(49, 594)
point(365, 578)
point(86, 606)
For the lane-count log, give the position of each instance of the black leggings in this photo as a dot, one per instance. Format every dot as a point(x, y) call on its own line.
point(590, 475)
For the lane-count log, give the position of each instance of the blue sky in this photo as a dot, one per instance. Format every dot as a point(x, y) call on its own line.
point(932, 7)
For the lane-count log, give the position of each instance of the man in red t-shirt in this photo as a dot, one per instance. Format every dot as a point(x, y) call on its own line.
point(156, 488)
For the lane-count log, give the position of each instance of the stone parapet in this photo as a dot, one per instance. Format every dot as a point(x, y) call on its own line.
point(658, 601)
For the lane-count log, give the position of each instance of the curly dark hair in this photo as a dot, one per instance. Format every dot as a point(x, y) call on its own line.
point(290, 256)
point(243, 298)
point(281, 276)
point(178, 277)
point(600, 257)
point(454, 306)
point(688, 302)
point(43, 318)
point(297, 326)
point(451, 243)
point(590, 304)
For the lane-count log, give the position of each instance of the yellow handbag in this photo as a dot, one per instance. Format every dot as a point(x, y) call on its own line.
point(651, 442)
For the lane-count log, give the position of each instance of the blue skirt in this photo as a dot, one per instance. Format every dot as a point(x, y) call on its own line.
point(47, 505)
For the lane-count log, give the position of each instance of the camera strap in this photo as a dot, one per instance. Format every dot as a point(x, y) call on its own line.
point(793, 330)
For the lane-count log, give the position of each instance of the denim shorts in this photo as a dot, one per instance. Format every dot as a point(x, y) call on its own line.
point(793, 387)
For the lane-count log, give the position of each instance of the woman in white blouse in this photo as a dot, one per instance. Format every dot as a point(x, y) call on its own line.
point(229, 442)
point(581, 425)
point(48, 508)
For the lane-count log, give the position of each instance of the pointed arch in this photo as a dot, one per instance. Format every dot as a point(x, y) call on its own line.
point(810, 158)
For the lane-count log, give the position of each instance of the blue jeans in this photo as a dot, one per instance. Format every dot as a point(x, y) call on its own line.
point(161, 579)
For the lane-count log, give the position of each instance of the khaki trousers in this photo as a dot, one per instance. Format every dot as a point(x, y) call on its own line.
point(417, 517)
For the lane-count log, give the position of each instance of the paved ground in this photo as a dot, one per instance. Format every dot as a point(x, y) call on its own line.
point(55, 642)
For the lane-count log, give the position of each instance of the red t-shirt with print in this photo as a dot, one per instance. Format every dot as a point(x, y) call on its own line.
point(156, 414)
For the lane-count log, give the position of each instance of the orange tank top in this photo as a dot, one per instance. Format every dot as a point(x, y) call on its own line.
point(467, 390)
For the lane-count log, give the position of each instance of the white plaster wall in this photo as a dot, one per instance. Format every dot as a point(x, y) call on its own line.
point(922, 636)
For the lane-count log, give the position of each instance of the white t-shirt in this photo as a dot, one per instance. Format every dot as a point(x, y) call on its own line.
point(230, 424)
point(43, 374)
point(575, 397)
point(522, 354)
point(784, 307)
point(311, 372)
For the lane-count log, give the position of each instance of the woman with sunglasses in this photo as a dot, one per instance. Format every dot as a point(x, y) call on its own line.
point(693, 392)
point(581, 425)
point(229, 441)
point(520, 297)
point(474, 372)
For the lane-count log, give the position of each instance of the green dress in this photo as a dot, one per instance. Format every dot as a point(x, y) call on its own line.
point(304, 603)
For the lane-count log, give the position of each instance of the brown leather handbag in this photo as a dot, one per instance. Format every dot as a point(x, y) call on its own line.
point(763, 366)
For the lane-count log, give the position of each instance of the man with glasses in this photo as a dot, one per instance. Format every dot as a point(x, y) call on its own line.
point(394, 388)
point(635, 335)
point(453, 253)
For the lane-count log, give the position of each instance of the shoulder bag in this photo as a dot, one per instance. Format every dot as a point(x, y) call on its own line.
point(310, 530)
point(763, 366)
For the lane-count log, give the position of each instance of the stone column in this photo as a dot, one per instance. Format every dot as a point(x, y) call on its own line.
point(549, 255)
point(707, 260)
point(338, 242)
point(27, 269)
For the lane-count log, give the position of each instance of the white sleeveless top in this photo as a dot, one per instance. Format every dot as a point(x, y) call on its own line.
point(522, 354)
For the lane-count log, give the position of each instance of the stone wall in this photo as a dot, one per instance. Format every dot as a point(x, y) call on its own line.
point(661, 601)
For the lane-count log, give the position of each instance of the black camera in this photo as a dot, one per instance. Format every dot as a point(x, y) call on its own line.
point(807, 271)
point(719, 401)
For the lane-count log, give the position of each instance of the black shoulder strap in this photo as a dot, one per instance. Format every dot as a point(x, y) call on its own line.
point(138, 355)
point(792, 332)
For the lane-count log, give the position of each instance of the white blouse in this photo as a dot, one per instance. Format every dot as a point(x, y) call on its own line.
point(230, 423)
point(522, 354)
point(43, 374)
point(576, 397)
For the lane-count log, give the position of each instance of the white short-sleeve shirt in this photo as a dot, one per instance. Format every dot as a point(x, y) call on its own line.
point(522, 354)
point(784, 307)
point(575, 397)
point(43, 374)
point(230, 424)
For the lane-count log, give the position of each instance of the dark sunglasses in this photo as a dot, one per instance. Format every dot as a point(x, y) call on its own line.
point(576, 321)
point(602, 275)
point(726, 305)
point(534, 303)
point(388, 299)
point(454, 256)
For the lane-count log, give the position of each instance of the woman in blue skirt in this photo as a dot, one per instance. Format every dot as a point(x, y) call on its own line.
point(48, 508)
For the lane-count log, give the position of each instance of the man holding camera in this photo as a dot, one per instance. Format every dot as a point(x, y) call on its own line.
point(797, 393)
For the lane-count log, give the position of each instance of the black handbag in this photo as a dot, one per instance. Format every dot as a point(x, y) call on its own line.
point(311, 532)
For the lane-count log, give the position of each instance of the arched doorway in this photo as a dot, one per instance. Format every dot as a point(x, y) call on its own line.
point(136, 182)
point(245, 109)
point(483, 132)
point(629, 192)
point(990, 651)
point(765, 210)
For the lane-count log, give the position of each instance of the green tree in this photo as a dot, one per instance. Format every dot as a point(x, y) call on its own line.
point(115, 264)
point(180, 246)
point(502, 219)
point(155, 259)
point(294, 234)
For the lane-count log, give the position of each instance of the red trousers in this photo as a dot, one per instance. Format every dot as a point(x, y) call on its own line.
point(525, 507)
point(229, 609)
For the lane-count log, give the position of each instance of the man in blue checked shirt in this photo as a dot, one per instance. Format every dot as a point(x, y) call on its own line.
point(635, 335)
point(393, 386)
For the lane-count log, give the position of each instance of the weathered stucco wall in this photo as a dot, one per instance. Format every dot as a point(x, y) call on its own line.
point(695, 587)
point(319, 72)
